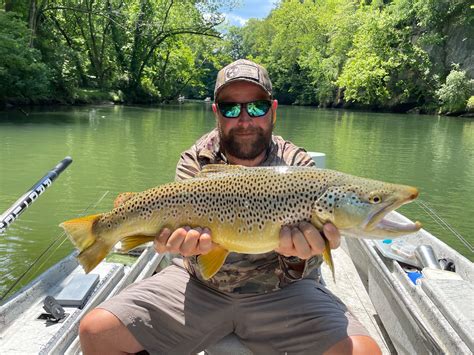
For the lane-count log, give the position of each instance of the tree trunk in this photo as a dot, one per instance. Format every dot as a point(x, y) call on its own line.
point(32, 20)
point(8, 5)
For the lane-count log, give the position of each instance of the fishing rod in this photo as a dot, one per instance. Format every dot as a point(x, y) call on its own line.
point(60, 238)
point(30, 196)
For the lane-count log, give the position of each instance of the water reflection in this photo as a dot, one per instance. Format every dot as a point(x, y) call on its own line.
point(118, 149)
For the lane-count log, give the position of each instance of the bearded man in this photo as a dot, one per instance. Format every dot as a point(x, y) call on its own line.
point(274, 302)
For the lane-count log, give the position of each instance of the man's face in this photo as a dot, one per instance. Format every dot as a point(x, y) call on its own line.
point(244, 137)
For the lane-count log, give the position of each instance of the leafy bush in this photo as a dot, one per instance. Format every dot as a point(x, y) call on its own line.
point(89, 96)
point(470, 104)
point(454, 94)
point(23, 75)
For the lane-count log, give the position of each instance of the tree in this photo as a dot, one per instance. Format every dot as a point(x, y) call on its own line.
point(455, 92)
point(22, 73)
point(385, 68)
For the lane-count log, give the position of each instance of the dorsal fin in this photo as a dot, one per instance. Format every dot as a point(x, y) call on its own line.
point(210, 169)
point(123, 197)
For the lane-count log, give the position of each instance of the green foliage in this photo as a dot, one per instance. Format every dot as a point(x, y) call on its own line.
point(145, 48)
point(379, 54)
point(22, 74)
point(385, 68)
point(455, 92)
point(88, 96)
point(470, 105)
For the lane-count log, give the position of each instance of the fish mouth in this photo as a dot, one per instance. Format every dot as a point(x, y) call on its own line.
point(377, 221)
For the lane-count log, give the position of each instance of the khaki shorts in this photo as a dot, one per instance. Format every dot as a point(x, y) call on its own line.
point(174, 313)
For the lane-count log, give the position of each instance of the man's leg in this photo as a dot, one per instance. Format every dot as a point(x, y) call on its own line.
point(355, 345)
point(101, 332)
point(302, 318)
point(166, 313)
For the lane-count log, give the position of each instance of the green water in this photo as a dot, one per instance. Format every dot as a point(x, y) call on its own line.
point(118, 149)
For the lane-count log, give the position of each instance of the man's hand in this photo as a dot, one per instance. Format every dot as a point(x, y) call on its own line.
point(304, 240)
point(185, 241)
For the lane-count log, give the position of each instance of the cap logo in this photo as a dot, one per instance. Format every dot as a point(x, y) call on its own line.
point(242, 71)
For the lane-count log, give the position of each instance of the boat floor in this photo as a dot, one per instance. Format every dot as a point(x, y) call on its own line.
point(348, 287)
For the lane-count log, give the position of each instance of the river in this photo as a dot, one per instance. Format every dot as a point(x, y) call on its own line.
point(117, 149)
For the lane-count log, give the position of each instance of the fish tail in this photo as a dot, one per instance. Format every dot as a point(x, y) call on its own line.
point(327, 257)
point(81, 234)
point(92, 256)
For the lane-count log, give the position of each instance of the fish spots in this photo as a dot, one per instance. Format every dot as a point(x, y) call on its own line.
point(249, 199)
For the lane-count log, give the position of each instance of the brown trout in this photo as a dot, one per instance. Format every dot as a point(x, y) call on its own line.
point(244, 208)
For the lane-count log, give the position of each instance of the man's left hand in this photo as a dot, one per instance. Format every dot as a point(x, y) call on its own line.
point(304, 240)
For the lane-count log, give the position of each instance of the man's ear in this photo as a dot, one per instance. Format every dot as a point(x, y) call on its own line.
point(214, 109)
point(274, 108)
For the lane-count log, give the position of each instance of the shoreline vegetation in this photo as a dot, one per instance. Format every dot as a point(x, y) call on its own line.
point(404, 56)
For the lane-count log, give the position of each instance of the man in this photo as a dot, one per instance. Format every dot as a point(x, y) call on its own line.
point(274, 301)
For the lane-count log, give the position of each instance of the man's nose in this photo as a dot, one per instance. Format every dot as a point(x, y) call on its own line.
point(244, 118)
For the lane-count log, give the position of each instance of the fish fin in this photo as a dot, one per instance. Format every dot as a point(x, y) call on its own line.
point(79, 231)
point(218, 168)
point(210, 263)
point(327, 257)
point(92, 256)
point(123, 197)
point(129, 243)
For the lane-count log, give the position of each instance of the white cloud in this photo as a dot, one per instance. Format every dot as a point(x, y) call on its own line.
point(235, 20)
point(249, 9)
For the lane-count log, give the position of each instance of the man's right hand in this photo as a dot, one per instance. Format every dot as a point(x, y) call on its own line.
point(186, 241)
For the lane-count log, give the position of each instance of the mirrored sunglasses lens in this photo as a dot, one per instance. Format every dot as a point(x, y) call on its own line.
point(229, 110)
point(258, 108)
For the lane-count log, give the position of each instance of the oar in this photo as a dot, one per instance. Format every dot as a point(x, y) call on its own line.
point(30, 196)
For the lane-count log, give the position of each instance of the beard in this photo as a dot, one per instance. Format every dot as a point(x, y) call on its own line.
point(245, 147)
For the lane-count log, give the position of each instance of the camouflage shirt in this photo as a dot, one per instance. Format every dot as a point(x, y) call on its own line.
point(249, 273)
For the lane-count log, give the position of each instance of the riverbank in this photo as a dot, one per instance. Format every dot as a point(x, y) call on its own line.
point(83, 97)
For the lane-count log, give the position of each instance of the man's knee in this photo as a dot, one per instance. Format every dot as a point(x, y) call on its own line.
point(100, 331)
point(96, 322)
point(357, 344)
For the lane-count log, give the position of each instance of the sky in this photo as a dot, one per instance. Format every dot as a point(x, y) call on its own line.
point(249, 9)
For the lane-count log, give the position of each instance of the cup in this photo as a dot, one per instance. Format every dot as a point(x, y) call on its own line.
point(426, 256)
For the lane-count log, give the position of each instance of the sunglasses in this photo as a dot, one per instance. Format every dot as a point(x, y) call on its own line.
point(257, 108)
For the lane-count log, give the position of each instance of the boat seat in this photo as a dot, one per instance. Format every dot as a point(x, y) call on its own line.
point(455, 299)
point(229, 345)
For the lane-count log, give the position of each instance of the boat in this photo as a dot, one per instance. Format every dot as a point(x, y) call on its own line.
point(409, 302)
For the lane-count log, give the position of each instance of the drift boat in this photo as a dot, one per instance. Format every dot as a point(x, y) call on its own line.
point(413, 294)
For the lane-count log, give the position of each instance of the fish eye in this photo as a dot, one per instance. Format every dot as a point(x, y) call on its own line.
point(375, 199)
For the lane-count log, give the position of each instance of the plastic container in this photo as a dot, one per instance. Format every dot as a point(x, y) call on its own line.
point(399, 250)
point(403, 249)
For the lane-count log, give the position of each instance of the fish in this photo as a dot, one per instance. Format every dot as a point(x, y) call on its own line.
point(244, 208)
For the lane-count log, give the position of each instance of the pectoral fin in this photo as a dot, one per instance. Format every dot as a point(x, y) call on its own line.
point(322, 213)
point(210, 263)
point(323, 209)
point(327, 257)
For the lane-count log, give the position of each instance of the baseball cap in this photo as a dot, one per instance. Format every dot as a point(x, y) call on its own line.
point(243, 70)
